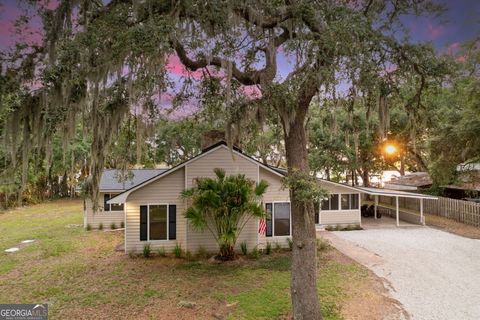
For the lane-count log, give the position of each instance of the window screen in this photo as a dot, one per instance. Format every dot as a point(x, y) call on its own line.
point(282, 219)
point(158, 222)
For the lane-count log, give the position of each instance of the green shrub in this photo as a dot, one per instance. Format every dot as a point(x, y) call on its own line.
point(189, 256)
point(243, 247)
point(146, 250)
point(89, 227)
point(132, 254)
point(290, 243)
point(161, 252)
point(202, 253)
point(330, 228)
point(352, 227)
point(122, 224)
point(268, 248)
point(322, 244)
point(100, 226)
point(113, 226)
point(177, 251)
point(278, 247)
point(254, 254)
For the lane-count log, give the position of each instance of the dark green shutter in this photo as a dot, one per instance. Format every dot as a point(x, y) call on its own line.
point(143, 223)
point(172, 222)
point(316, 207)
point(269, 209)
point(106, 206)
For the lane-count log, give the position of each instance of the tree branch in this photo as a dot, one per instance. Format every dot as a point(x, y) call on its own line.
point(260, 20)
point(247, 78)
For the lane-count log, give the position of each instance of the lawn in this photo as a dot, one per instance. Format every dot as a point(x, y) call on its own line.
point(80, 275)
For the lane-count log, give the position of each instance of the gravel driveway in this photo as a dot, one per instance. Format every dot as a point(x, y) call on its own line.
point(434, 274)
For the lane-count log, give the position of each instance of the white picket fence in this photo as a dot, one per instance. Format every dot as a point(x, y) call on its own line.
point(459, 210)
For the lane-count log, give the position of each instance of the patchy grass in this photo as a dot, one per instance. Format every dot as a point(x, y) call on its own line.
point(80, 275)
point(452, 226)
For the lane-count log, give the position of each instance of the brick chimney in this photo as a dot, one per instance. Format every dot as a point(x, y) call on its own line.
point(211, 137)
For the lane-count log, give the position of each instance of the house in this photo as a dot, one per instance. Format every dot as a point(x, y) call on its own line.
point(112, 183)
point(467, 184)
point(153, 210)
point(410, 182)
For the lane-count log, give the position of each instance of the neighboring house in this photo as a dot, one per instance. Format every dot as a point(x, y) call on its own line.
point(112, 183)
point(410, 182)
point(153, 210)
point(467, 185)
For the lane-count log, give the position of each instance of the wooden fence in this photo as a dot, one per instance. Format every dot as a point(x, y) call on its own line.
point(459, 210)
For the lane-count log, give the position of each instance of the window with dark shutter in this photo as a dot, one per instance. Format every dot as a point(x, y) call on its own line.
point(172, 222)
point(269, 209)
point(106, 206)
point(143, 223)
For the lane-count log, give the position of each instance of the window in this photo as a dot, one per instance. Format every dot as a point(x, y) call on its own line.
point(281, 219)
point(111, 207)
point(278, 219)
point(331, 203)
point(157, 222)
point(355, 201)
point(345, 201)
point(350, 201)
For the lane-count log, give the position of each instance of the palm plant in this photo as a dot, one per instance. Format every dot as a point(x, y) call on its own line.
point(223, 206)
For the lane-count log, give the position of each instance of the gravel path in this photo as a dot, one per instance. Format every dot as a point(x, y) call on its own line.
point(434, 274)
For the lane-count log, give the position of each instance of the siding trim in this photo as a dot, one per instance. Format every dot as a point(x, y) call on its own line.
point(125, 226)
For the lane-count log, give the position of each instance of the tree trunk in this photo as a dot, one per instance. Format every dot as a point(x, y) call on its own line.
point(366, 177)
point(304, 293)
point(402, 166)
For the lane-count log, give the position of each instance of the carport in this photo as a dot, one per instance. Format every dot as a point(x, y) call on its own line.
point(395, 195)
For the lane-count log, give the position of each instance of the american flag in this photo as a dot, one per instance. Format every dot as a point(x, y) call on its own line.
point(262, 227)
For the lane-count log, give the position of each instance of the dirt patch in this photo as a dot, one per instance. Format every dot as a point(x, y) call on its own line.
point(367, 295)
point(452, 226)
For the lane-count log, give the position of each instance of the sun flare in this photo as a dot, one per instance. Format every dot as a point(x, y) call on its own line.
point(390, 149)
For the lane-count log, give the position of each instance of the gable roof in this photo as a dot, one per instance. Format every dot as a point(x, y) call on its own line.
point(111, 179)
point(122, 197)
point(394, 193)
point(415, 179)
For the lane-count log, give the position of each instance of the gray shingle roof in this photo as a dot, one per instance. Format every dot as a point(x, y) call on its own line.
point(112, 178)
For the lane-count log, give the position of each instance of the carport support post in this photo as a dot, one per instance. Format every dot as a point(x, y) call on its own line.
point(398, 215)
point(376, 205)
point(422, 219)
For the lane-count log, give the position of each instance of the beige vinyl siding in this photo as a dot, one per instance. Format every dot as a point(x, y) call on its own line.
point(275, 193)
point(104, 217)
point(203, 167)
point(165, 190)
point(223, 158)
point(342, 217)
